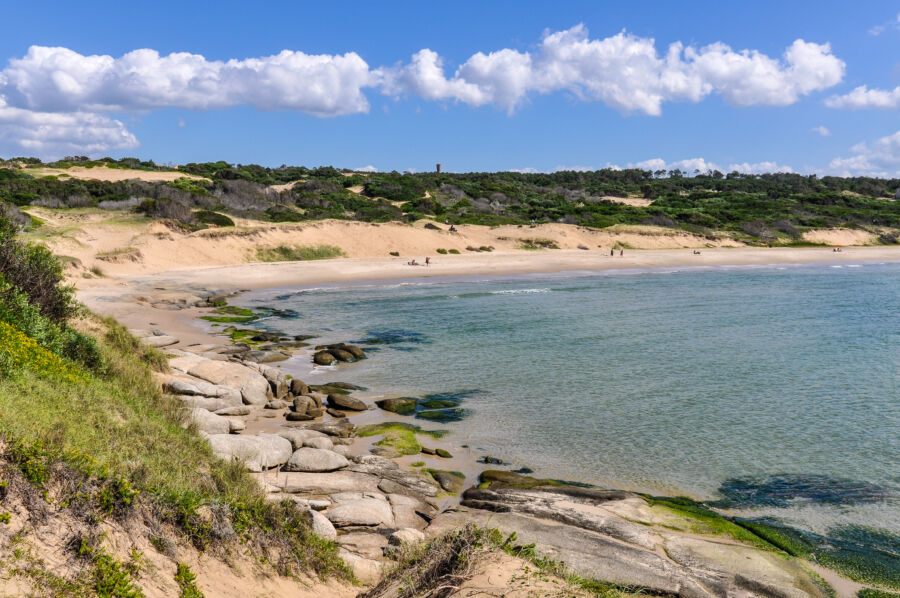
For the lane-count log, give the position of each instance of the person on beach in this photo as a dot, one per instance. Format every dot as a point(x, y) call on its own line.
point(413, 263)
point(427, 261)
point(621, 253)
point(612, 253)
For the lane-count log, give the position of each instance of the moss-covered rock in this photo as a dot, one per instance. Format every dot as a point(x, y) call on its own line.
point(401, 405)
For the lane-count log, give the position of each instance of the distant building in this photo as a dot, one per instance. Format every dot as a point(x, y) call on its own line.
point(439, 171)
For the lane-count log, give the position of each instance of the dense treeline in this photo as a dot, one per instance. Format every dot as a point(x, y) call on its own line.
point(762, 206)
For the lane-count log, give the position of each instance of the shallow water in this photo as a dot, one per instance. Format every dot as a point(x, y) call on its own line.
point(664, 381)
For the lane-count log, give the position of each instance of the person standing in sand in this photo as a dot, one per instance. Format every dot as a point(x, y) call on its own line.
point(621, 253)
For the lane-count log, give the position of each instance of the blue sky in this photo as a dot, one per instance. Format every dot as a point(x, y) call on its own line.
point(556, 86)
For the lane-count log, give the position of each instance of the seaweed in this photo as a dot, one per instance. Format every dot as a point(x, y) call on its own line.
point(444, 415)
point(781, 489)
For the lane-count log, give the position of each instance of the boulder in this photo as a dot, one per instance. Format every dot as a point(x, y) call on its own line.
point(237, 425)
point(210, 423)
point(342, 355)
point(343, 450)
point(321, 526)
point(402, 405)
point(346, 402)
point(254, 388)
point(450, 481)
point(323, 358)
point(299, 387)
point(335, 413)
point(443, 453)
point(278, 382)
point(315, 460)
point(261, 357)
point(324, 444)
point(277, 404)
point(303, 404)
point(257, 453)
point(365, 570)
point(231, 411)
point(355, 351)
point(362, 512)
point(299, 437)
point(406, 536)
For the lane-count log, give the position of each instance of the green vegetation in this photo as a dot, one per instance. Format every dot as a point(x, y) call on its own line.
point(214, 218)
point(872, 593)
point(453, 251)
point(112, 578)
point(443, 563)
point(187, 582)
point(399, 436)
point(700, 520)
point(285, 253)
point(441, 251)
point(765, 209)
point(93, 424)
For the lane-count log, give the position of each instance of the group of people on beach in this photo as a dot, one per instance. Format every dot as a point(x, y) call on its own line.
point(612, 252)
point(415, 263)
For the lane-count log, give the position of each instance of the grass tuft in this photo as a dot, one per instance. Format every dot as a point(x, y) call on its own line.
point(286, 253)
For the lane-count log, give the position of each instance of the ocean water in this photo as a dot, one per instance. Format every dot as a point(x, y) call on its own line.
point(772, 390)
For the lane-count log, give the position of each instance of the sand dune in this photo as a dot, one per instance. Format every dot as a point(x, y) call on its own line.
point(102, 173)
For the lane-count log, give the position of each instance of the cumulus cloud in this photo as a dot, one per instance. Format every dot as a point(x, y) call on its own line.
point(61, 80)
point(368, 168)
point(57, 134)
point(863, 97)
point(822, 130)
point(624, 71)
point(880, 158)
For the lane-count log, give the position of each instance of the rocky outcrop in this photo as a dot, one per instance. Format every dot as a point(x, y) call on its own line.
point(210, 423)
point(618, 537)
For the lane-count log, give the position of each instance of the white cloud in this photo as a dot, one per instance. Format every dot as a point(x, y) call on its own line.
point(822, 130)
point(690, 165)
point(624, 71)
point(863, 97)
point(58, 134)
point(368, 168)
point(880, 158)
point(879, 29)
point(61, 80)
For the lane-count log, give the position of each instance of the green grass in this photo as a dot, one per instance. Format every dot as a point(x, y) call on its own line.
point(229, 319)
point(286, 253)
point(119, 430)
point(399, 436)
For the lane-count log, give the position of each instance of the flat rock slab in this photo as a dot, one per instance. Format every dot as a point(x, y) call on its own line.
point(210, 423)
point(321, 484)
point(315, 460)
point(257, 453)
point(159, 341)
point(298, 437)
point(370, 546)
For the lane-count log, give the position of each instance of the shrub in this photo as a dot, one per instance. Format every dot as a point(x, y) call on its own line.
point(36, 272)
point(166, 208)
point(286, 253)
point(210, 217)
point(453, 251)
point(441, 251)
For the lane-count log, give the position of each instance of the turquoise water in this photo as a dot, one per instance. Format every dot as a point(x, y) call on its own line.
point(664, 381)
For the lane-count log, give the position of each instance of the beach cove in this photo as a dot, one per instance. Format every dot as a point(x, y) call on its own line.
point(464, 458)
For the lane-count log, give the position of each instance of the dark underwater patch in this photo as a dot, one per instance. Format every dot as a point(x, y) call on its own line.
point(455, 414)
point(782, 489)
point(396, 338)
